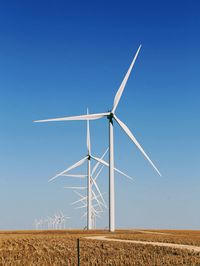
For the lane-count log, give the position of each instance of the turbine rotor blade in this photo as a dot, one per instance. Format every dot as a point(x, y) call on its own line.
point(88, 135)
point(128, 132)
point(85, 197)
point(97, 188)
point(83, 215)
point(98, 201)
point(74, 118)
point(106, 164)
point(97, 164)
point(72, 175)
point(81, 188)
point(97, 175)
point(77, 201)
point(123, 84)
point(81, 207)
point(70, 168)
point(100, 160)
point(122, 173)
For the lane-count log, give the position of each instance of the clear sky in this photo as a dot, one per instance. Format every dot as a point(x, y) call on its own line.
point(59, 57)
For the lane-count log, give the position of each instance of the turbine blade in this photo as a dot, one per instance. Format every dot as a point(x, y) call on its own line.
point(100, 160)
point(71, 118)
point(98, 201)
point(97, 188)
point(128, 132)
point(77, 201)
point(96, 196)
point(96, 212)
point(95, 205)
point(70, 168)
point(83, 215)
point(76, 188)
point(88, 135)
point(80, 195)
point(122, 173)
point(97, 175)
point(106, 164)
point(97, 164)
point(81, 207)
point(123, 84)
point(71, 175)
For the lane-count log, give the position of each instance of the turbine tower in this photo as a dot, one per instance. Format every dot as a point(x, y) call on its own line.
point(111, 116)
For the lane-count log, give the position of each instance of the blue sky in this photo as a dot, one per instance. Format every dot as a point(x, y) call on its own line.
point(59, 57)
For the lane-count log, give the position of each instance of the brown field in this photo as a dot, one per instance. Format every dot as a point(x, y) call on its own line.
point(185, 237)
point(44, 248)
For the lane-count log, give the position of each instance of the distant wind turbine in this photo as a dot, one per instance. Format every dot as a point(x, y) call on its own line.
point(96, 209)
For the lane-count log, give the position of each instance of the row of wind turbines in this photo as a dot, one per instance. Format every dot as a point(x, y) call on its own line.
point(94, 200)
point(57, 221)
point(111, 117)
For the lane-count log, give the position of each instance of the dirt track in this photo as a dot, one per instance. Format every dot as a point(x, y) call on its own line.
point(188, 247)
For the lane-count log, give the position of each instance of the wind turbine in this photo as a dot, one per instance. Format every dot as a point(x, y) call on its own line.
point(97, 198)
point(111, 116)
point(96, 208)
point(89, 175)
point(37, 224)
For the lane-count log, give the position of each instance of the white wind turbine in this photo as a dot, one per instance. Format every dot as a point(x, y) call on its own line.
point(97, 200)
point(111, 116)
point(89, 175)
point(96, 207)
point(37, 224)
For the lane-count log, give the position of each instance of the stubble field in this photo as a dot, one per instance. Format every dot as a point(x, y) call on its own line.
point(44, 248)
point(185, 237)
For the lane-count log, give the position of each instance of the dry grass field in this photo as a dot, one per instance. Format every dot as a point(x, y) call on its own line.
point(44, 248)
point(185, 237)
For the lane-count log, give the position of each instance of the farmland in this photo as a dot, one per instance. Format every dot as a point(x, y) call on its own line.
point(60, 248)
point(186, 237)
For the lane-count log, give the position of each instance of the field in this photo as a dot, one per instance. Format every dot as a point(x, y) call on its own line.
point(168, 236)
point(44, 248)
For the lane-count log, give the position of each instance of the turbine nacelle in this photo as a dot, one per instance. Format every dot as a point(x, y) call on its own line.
point(110, 116)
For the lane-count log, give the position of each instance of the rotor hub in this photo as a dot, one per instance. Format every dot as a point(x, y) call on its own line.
point(110, 116)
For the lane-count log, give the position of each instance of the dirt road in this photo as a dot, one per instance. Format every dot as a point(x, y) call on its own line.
point(160, 244)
